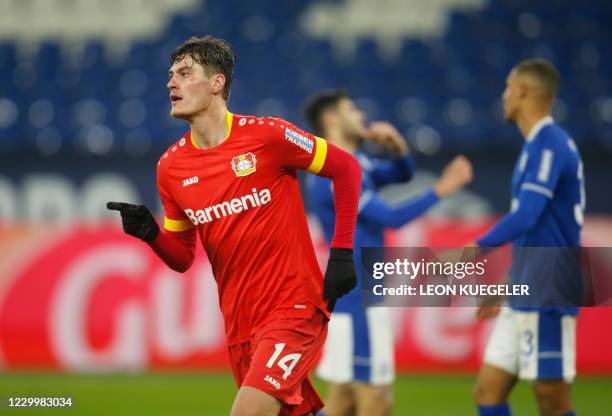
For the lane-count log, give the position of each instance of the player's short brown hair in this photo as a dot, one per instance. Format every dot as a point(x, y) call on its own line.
point(215, 54)
point(318, 104)
point(544, 73)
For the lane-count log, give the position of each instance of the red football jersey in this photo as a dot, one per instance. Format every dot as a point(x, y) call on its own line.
point(243, 198)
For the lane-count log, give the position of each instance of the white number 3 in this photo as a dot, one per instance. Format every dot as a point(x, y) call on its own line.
point(286, 363)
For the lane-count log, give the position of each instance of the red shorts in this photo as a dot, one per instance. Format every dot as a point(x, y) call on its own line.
point(278, 359)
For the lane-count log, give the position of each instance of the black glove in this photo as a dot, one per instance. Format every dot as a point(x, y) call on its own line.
point(340, 276)
point(137, 220)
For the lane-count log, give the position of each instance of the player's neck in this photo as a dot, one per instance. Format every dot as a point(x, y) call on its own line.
point(528, 119)
point(209, 128)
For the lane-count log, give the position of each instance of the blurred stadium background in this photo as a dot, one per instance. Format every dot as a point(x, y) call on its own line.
point(87, 312)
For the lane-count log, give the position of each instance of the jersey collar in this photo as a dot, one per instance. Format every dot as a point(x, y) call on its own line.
point(538, 126)
point(229, 118)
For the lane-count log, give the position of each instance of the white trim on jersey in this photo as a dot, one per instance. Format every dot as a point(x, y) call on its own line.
point(538, 126)
point(545, 165)
point(528, 186)
point(365, 162)
point(551, 354)
point(364, 199)
point(514, 204)
point(523, 161)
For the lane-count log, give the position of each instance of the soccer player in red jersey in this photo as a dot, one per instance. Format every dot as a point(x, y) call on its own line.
point(232, 181)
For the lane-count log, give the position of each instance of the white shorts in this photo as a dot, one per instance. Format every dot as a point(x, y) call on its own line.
point(534, 345)
point(359, 348)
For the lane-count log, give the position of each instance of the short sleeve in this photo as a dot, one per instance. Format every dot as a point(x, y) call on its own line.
point(174, 218)
point(296, 148)
point(543, 169)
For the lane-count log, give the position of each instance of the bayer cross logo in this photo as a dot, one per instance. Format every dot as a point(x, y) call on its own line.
point(244, 165)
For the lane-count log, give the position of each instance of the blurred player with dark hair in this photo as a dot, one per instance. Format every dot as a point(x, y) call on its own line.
point(232, 181)
point(358, 356)
point(548, 201)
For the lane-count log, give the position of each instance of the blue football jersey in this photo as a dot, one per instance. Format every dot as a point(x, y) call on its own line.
point(374, 214)
point(551, 168)
point(550, 165)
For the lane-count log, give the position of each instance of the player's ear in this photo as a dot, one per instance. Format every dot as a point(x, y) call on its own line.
point(522, 86)
point(329, 118)
point(218, 83)
point(522, 89)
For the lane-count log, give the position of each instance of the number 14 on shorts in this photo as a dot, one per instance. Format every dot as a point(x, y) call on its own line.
point(287, 363)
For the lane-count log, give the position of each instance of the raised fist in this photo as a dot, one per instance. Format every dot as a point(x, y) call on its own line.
point(455, 176)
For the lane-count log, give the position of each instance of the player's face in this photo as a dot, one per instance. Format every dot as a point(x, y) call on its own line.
point(190, 88)
point(351, 119)
point(511, 97)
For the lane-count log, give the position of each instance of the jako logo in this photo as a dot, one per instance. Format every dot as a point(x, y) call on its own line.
point(233, 206)
point(273, 381)
point(190, 181)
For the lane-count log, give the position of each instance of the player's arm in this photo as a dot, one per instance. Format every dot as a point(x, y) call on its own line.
point(297, 149)
point(490, 306)
point(455, 176)
point(321, 198)
point(175, 248)
point(377, 211)
point(343, 169)
point(175, 244)
point(396, 170)
point(542, 172)
point(512, 225)
point(400, 168)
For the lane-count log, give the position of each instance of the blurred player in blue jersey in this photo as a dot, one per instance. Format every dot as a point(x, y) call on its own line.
point(548, 200)
point(358, 356)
